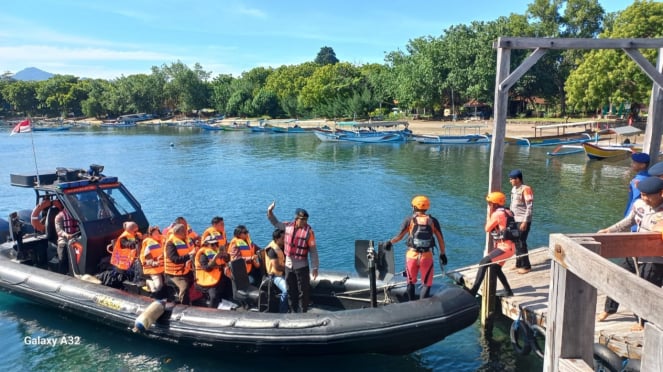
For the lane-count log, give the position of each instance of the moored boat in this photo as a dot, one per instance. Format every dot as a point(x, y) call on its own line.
point(597, 152)
point(346, 316)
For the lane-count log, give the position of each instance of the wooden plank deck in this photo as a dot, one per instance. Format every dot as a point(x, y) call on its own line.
point(531, 296)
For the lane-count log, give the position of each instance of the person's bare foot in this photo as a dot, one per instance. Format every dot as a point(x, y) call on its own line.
point(637, 327)
point(602, 316)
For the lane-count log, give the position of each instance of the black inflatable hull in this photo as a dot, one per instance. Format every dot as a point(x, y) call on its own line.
point(398, 328)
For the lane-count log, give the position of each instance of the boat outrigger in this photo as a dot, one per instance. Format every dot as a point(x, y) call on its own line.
point(364, 312)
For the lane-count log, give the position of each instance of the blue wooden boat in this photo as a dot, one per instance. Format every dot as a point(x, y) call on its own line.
point(47, 128)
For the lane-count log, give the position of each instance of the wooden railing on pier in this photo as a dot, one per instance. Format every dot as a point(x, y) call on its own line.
point(580, 268)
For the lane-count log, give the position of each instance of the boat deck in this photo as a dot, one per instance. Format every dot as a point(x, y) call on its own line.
point(531, 296)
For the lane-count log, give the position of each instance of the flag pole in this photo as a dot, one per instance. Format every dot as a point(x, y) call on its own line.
point(34, 151)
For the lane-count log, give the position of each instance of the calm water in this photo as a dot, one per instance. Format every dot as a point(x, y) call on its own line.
point(352, 191)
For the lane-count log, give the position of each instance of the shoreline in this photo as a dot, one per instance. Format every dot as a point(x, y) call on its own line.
point(418, 127)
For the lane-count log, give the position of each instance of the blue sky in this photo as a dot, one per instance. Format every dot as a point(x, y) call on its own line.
point(107, 39)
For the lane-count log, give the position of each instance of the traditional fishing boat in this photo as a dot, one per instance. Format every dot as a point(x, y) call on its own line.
point(562, 150)
point(364, 312)
point(456, 135)
point(560, 138)
point(597, 152)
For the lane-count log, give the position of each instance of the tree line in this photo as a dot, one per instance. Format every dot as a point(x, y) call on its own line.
point(427, 76)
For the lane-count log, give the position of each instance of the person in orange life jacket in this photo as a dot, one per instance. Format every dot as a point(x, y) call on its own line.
point(522, 201)
point(126, 247)
point(151, 258)
point(177, 263)
point(193, 237)
point(299, 245)
point(639, 164)
point(217, 230)
point(275, 266)
point(241, 247)
point(502, 248)
point(209, 263)
point(65, 228)
point(422, 230)
point(647, 215)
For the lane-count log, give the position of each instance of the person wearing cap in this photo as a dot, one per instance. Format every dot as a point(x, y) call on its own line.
point(299, 246)
point(66, 227)
point(216, 230)
point(522, 202)
point(656, 170)
point(422, 230)
point(646, 214)
point(639, 165)
point(151, 258)
point(209, 264)
point(503, 244)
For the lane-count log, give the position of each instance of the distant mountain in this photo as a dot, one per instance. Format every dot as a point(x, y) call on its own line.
point(32, 74)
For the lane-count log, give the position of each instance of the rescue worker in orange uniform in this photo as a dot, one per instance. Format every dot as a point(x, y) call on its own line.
point(503, 245)
point(151, 258)
point(241, 247)
point(216, 230)
point(177, 264)
point(422, 230)
point(209, 263)
point(126, 247)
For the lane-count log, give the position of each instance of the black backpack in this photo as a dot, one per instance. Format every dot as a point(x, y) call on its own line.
point(512, 231)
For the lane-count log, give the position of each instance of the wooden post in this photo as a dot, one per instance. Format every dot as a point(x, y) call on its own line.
point(652, 352)
point(655, 115)
point(496, 159)
point(569, 327)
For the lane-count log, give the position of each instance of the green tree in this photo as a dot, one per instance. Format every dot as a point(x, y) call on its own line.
point(326, 56)
point(580, 19)
point(610, 76)
point(59, 95)
point(21, 96)
point(329, 88)
point(221, 91)
point(287, 83)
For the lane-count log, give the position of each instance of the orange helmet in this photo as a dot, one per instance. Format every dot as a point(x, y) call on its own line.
point(497, 198)
point(421, 202)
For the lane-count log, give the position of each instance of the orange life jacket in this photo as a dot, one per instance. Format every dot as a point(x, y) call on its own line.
point(211, 277)
point(246, 249)
point(220, 236)
point(183, 249)
point(122, 257)
point(154, 250)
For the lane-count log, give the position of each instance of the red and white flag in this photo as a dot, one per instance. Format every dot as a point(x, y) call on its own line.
point(22, 127)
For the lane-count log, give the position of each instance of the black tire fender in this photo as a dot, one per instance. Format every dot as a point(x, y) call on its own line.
point(520, 337)
point(606, 359)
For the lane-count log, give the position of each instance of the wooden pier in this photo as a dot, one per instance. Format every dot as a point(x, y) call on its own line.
point(532, 292)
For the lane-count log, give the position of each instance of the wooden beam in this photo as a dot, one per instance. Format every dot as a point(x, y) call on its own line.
point(569, 327)
point(608, 277)
point(617, 245)
point(646, 67)
point(521, 70)
point(652, 353)
point(576, 43)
